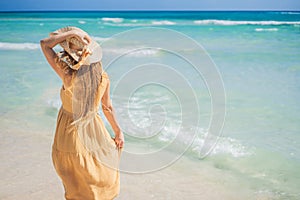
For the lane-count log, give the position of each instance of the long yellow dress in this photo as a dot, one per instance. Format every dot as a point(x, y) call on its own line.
point(86, 160)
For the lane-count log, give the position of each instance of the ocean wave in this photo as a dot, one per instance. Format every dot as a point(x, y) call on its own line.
point(110, 19)
point(231, 146)
point(144, 52)
point(230, 23)
point(290, 13)
point(266, 29)
point(100, 39)
point(225, 145)
point(163, 22)
point(134, 24)
point(133, 53)
point(81, 22)
point(18, 46)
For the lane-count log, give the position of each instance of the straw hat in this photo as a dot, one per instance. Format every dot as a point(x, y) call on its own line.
point(90, 53)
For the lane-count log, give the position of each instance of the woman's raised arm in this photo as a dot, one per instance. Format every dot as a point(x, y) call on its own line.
point(48, 43)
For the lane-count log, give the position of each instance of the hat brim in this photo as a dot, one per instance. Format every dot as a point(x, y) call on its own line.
point(93, 46)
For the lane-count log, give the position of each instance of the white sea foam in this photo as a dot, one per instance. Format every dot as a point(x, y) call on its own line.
point(266, 29)
point(18, 46)
point(127, 24)
point(133, 53)
point(290, 13)
point(163, 22)
point(135, 23)
point(232, 147)
point(144, 52)
point(225, 145)
point(81, 22)
point(100, 39)
point(115, 20)
point(230, 22)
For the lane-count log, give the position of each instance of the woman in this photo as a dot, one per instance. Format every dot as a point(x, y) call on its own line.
point(84, 155)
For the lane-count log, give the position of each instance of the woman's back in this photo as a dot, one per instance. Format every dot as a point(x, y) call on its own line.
point(83, 91)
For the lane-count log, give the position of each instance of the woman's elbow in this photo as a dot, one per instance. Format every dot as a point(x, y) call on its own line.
point(43, 43)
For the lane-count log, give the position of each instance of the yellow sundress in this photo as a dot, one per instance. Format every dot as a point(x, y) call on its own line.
point(85, 160)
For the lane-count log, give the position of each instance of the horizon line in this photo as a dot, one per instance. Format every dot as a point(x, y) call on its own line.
point(154, 10)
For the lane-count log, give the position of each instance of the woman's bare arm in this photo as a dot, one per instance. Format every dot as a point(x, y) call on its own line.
point(109, 113)
point(47, 45)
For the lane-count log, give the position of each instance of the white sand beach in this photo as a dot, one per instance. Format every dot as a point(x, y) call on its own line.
point(27, 172)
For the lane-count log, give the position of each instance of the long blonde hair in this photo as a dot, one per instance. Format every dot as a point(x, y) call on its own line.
point(85, 89)
point(85, 81)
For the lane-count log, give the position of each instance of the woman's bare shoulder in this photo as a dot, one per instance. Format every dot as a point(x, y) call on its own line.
point(105, 75)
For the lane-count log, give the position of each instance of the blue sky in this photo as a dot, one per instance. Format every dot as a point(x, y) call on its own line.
point(13, 5)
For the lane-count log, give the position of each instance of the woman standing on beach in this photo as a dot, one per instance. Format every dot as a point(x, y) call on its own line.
point(84, 155)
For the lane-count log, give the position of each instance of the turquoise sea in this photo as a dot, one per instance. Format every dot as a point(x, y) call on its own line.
point(256, 53)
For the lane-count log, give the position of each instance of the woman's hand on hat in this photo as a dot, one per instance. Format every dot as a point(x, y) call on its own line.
point(82, 36)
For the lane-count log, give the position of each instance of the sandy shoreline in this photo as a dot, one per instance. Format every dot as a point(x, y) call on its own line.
point(27, 172)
